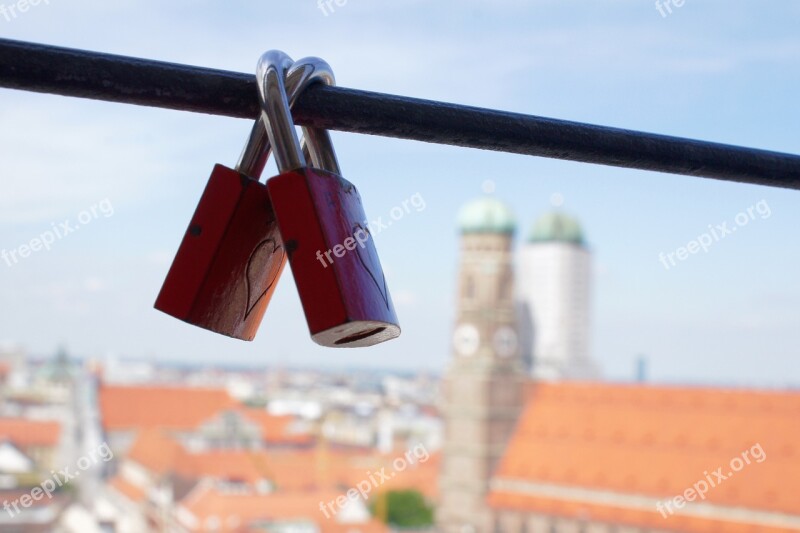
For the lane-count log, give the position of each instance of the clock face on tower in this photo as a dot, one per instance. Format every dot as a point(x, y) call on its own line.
point(505, 341)
point(466, 340)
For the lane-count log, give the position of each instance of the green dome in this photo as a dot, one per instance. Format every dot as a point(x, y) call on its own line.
point(486, 215)
point(556, 227)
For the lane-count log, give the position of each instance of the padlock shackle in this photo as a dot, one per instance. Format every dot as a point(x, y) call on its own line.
point(277, 117)
point(271, 73)
point(316, 142)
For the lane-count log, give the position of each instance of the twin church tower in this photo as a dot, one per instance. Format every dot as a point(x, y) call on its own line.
point(535, 309)
point(509, 329)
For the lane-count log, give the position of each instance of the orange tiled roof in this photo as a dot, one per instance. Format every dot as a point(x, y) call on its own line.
point(155, 451)
point(159, 407)
point(127, 489)
point(24, 433)
point(372, 526)
point(160, 454)
point(234, 512)
point(298, 470)
point(422, 477)
point(320, 468)
point(620, 515)
point(290, 470)
point(232, 465)
point(655, 442)
point(276, 429)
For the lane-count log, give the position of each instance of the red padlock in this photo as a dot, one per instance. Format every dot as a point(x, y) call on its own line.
point(232, 255)
point(322, 222)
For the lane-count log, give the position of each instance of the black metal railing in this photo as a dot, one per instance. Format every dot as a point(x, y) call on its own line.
point(83, 74)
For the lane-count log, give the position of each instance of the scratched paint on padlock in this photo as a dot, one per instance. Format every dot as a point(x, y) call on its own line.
point(348, 210)
point(372, 264)
point(346, 197)
point(268, 253)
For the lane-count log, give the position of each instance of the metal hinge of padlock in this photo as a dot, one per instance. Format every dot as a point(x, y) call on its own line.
point(345, 297)
point(232, 254)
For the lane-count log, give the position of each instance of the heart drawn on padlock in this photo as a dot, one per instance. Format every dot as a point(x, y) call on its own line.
point(371, 263)
point(274, 258)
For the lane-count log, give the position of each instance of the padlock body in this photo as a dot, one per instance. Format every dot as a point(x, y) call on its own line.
point(333, 258)
point(229, 261)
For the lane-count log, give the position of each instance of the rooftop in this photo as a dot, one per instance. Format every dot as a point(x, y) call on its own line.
point(581, 446)
point(556, 227)
point(486, 215)
point(23, 433)
point(160, 407)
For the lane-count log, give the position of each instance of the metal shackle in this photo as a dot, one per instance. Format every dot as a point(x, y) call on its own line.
point(316, 142)
point(280, 82)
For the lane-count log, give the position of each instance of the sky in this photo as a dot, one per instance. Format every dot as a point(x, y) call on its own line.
point(129, 177)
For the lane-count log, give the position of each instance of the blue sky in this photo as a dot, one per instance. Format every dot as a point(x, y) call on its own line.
point(719, 70)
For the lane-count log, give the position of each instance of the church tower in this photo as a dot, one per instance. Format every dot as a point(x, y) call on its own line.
point(554, 288)
point(483, 385)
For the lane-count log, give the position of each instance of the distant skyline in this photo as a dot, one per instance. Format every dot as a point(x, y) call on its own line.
point(722, 71)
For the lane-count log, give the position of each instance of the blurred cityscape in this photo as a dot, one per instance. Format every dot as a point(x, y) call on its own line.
point(157, 447)
point(519, 433)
